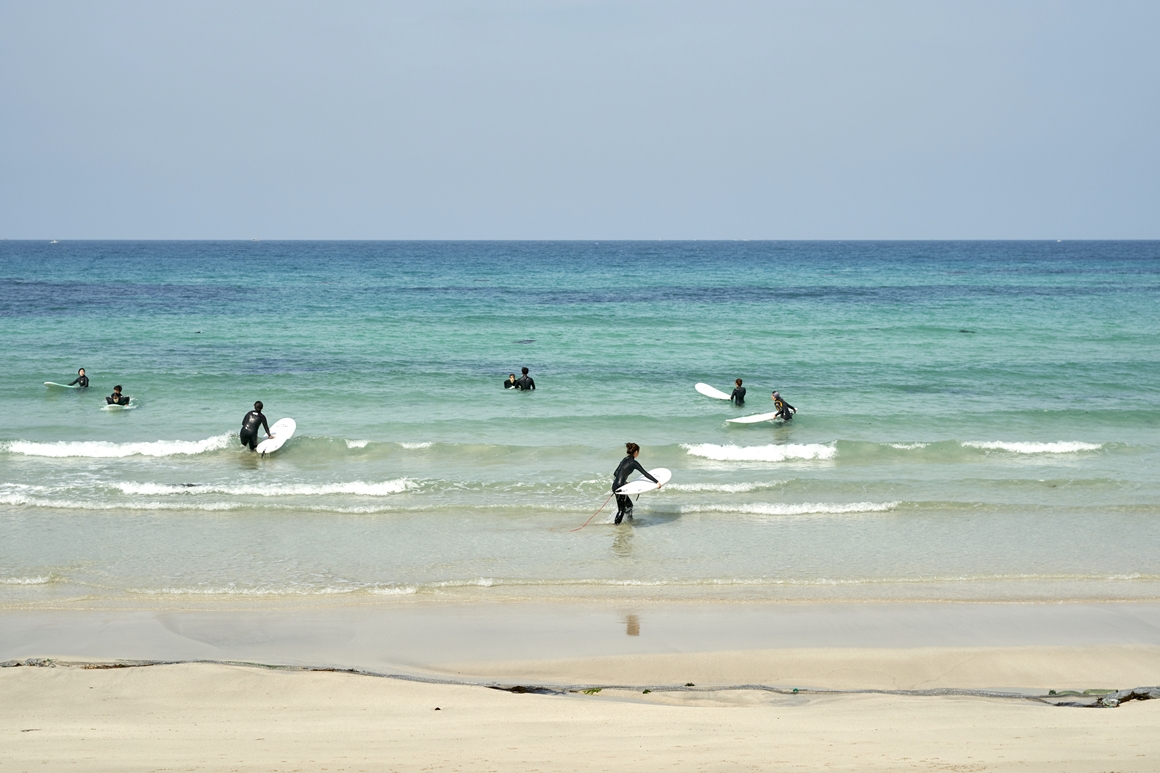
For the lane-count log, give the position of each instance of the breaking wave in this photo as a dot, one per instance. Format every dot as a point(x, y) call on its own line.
point(356, 488)
point(105, 449)
point(1064, 447)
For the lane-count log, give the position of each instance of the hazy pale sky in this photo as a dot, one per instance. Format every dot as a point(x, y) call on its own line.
point(639, 119)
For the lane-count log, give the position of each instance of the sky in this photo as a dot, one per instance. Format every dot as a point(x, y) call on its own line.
point(523, 119)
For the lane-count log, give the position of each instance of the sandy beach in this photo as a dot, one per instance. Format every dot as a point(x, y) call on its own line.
point(79, 714)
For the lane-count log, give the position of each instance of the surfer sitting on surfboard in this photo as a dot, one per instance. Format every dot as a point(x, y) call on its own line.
point(117, 398)
point(511, 382)
point(626, 467)
point(738, 396)
point(784, 410)
point(81, 380)
point(250, 423)
point(525, 382)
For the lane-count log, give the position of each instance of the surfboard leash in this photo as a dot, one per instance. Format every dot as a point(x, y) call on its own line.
point(610, 496)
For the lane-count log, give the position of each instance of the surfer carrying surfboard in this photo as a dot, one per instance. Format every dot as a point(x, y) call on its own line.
point(627, 466)
point(785, 411)
point(250, 423)
point(117, 398)
point(81, 380)
point(738, 396)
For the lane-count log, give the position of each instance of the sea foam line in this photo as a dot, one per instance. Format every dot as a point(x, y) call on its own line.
point(105, 449)
point(798, 508)
point(770, 453)
point(1062, 447)
point(356, 488)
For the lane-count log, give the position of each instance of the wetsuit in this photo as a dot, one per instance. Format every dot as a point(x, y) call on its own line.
point(250, 423)
point(509, 384)
point(738, 396)
point(525, 383)
point(116, 399)
point(784, 409)
point(619, 478)
point(82, 380)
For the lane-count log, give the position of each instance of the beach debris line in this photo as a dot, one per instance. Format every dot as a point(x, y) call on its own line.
point(1109, 701)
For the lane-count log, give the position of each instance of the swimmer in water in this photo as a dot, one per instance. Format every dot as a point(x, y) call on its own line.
point(117, 398)
point(511, 382)
point(250, 423)
point(738, 396)
point(82, 380)
point(784, 410)
point(525, 382)
point(626, 467)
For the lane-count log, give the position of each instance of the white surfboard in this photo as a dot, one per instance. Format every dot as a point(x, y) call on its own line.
point(282, 431)
point(641, 485)
point(128, 407)
point(753, 418)
point(709, 391)
point(61, 386)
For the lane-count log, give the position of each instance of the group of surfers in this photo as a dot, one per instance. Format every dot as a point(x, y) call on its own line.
point(784, 410)
point(116, 398)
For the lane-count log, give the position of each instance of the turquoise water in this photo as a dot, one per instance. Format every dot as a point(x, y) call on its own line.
point(976, 420)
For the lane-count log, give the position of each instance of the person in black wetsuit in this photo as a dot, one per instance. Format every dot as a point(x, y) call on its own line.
point(784, 410)
point(511, 382)
point(525, 382)
point(626, 467)
point(250, 423)
point(81, 379)
point(738, 396)
point(117, 398)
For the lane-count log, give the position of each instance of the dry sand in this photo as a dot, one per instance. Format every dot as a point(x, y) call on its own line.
point(205, 717)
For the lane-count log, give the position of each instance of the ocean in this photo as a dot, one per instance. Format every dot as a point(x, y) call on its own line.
point(976, 421)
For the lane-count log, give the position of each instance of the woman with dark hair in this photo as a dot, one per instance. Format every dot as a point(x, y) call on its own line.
point(626, 467)
point(81, 380)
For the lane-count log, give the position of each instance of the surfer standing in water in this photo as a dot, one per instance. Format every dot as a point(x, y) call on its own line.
point(250, 423)
point(525, 382)
point(81, 379)
point(626, 467)
point(738, 396)
point(784, 410)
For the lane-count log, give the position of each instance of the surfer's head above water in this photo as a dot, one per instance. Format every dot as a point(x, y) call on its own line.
point(524, 371)
point(737, 382)
point(80, 371)
point(258, 406)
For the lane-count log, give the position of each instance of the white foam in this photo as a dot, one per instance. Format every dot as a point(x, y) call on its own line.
point(104, 449)
point(356, 488)
point(723, 488)
point(802, 508)
point(357, 443)
point(770, 453)
point(82, 505)
point(42, 580)
point(1063, 447)
point(909, 446)
point(414, 446)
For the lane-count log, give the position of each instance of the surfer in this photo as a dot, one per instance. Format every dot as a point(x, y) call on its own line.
point(511, 382)
point(250, 423)
point(784, 410)
point(626, 467)
point(738, 396)
point(117, 398)
point(525, 382)
point(82, 380)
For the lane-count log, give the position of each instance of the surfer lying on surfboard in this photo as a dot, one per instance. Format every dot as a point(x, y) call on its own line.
point(627, 466)
point(117, 398)
point(250, 423)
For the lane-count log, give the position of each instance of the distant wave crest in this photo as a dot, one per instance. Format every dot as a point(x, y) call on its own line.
point(770, 453)
point(356, 488)
point(795, 508)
